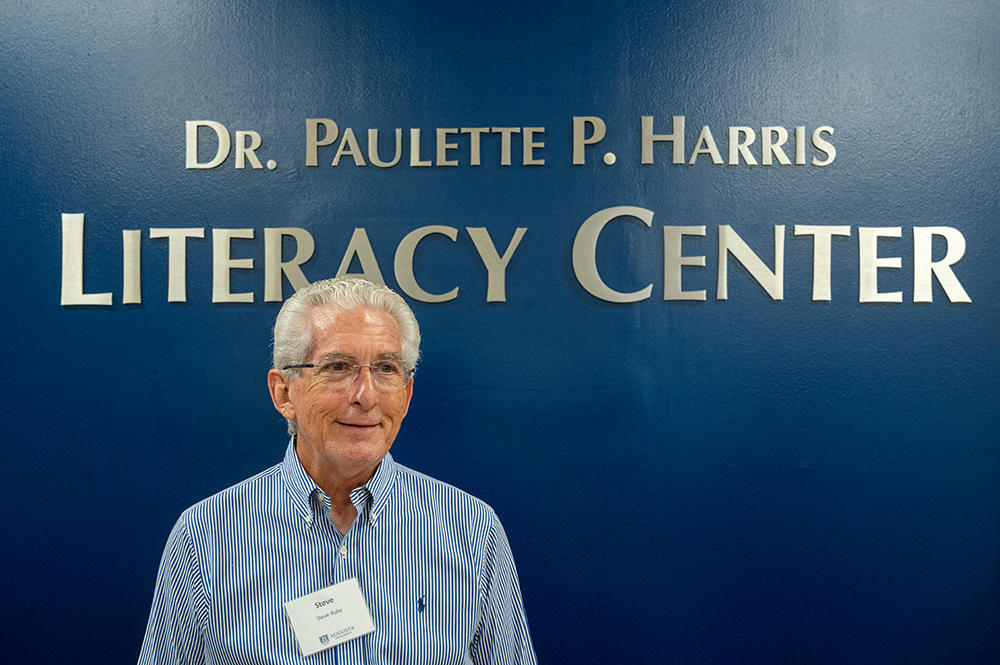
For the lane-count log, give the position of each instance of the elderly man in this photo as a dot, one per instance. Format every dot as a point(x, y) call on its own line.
point(391, 566)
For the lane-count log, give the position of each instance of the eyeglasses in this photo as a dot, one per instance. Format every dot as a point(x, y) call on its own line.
point(387, 374)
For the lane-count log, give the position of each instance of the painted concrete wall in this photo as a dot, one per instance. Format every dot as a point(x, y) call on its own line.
point(733, 389)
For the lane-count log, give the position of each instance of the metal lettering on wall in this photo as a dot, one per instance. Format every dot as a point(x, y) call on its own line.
point(584, 261)
point(587, 132)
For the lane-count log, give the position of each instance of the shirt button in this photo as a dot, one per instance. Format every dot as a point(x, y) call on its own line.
point(374, 517)
point(309, 519)
point(343, 550)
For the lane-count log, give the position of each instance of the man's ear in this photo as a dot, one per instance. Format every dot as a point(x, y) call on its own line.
point(278, 385)
point(409, 396)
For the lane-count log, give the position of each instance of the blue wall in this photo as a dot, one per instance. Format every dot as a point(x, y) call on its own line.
point(747, 479)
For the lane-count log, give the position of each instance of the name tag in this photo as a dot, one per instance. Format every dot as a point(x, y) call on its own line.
point(329, 617)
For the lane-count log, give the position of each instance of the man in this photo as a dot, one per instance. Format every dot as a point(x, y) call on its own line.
point(432, 563)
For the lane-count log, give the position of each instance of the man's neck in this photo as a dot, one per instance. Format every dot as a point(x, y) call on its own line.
point(338, 487)
point(343, 514)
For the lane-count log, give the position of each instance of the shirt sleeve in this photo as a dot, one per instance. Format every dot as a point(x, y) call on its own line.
point(174, 634)
point(502, 636)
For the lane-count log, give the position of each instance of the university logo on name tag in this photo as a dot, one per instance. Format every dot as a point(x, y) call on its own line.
point(329, 617)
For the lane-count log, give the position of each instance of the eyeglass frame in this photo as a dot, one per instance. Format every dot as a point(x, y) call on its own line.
point(407, 373)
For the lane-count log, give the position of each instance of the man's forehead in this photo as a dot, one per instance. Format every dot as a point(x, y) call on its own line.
point(373, 329)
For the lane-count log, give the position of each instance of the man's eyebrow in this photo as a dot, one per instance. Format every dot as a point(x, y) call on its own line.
point(336, 355)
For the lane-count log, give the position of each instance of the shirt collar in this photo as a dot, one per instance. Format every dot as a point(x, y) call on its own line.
point(300, 485)
point(297, 482)
point(381, 485)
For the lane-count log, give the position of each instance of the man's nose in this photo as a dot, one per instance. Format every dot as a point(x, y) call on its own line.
point(363, 387)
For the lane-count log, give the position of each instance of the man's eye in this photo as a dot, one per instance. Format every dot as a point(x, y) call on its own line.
point(336, 367)
point(388, 368)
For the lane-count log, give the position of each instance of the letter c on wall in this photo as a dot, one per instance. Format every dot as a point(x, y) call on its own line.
point(404, 264)
point(585, 253)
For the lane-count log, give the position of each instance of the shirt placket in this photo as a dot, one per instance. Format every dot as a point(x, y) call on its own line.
point(346, 552)
point(346, 564)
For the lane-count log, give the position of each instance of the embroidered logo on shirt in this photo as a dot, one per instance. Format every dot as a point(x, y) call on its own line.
point(420, 603)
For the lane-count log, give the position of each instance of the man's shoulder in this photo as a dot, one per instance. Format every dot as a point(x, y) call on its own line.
point(259, 486)
point(417, 486)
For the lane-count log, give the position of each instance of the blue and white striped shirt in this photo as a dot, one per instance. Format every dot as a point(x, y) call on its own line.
point(433, 564)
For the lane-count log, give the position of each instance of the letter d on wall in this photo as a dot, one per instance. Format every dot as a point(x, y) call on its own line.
point(191, 144)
